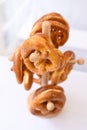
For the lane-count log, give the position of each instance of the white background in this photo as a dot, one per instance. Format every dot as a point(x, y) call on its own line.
point(19, 15)
point(14, 112)
point(16, 19)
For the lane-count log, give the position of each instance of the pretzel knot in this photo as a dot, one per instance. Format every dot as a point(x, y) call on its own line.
point(61, 74)
point(47, 100)
point(59, 28)
point(39, 55)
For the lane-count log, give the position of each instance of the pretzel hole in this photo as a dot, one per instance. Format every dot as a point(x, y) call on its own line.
point(44, 103)
point(35, 51)
point(47, 61)
point(36, 111)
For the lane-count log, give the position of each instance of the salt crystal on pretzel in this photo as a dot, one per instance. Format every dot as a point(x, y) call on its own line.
point(59, 28)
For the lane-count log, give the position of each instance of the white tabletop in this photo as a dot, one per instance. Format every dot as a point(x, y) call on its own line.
point(14, 114)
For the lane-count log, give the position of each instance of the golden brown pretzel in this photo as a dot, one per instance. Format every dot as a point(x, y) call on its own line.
point(18, 65)
point(59, 28)
point(20, 70)
point(28, 78)
point(69, 56)
point(52, 75)
point(61, 74)
point(39, 55)
point(47, 59)
point(47, 100)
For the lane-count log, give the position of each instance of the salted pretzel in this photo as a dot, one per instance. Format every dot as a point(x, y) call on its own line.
point(47, 100)
point(20, 70)
point(55, 74)
point(39, 56)
point(61, 74)
point(46, 58)
point(59, 28)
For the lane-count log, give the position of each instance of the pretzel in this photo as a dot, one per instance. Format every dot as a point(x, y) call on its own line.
point(47, 100)
point(59, 28)
point(47, 59)
point(69, 56)
point(28, 79)
point(54, 74)
point(61, 74)
point(20, 70)
point(18, 65)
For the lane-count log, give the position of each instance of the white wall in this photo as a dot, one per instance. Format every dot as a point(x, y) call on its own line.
point(2, 47)
point(17, 13)
point(14, 14)
point(73, 10)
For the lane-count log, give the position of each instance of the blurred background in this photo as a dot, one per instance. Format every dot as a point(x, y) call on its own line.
point(18, 16)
